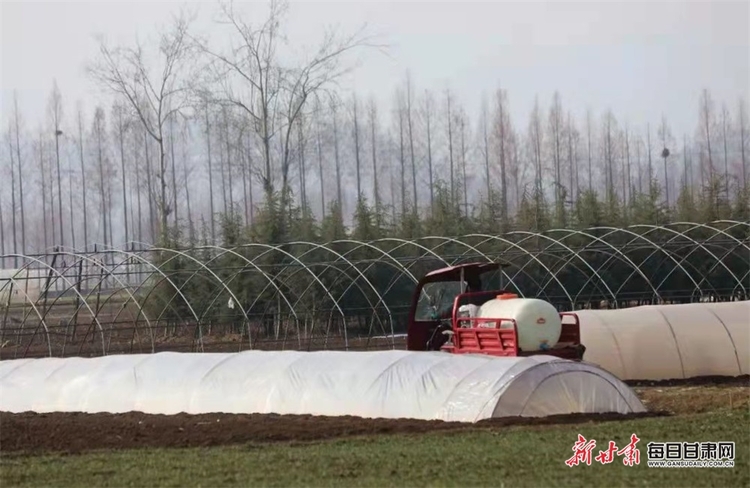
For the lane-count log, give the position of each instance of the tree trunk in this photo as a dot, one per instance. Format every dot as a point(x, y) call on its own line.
point(59, 185)
point(742, 115)
point(402, 159)
point(357, 160)
point(83, 182)
point(210, 178)
point(250, 177)
point(163, 205)
point(70, 206)
point(2, 235)
point(573, 169)
point(174, 172)
point(428, 121)
point(638, 143)
point(373, 144)
point(627, 162)
point(121, 135)
point(43, 175)
point(337, 161)
point(244, 165)
point(230, 165)
point(20, 180)
point(302, 168)
point(411, 146)
point(463, 166)
point(150, 187)
point(13, 197)
point(724, 117)
point(320, 171)
point(223, 171)
point(502, 136)
point(650, 166)
point(588, 131)
point(100, 161)
point(450, 149)
point(488, 182)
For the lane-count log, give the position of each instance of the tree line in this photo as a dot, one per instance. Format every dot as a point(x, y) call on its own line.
point(210, 144)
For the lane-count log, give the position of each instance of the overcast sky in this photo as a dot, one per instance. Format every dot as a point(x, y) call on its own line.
point(642, 59)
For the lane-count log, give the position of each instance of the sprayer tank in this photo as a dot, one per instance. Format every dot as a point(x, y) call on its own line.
point(539, 324)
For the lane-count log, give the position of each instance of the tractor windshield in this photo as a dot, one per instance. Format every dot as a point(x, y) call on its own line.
point(436, 300)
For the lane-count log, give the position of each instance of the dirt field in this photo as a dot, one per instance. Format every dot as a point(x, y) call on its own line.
point(75, 433)
point(30, 433)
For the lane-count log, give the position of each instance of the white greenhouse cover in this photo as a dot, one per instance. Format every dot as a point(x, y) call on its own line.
point(660, 342)
point(390, 384)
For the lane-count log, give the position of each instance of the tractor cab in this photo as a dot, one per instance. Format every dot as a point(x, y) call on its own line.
point(443, 316)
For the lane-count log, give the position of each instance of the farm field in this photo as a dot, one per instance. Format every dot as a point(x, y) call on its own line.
point(272, 450)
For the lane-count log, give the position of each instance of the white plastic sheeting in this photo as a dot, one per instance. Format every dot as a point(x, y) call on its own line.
point(386, 384)
point(659, 342)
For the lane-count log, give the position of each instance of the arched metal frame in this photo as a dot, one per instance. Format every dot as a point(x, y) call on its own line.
point(315, 280)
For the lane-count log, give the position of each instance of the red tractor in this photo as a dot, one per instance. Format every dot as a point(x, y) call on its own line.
point(454, 310)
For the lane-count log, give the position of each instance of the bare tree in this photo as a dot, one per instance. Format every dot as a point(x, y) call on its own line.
point(706, 129)
point(277, 93)
point(427, 112)
point(373, 116)
point(230, 160)
point(184, 135)
point(626, 142)
point(355, 134)
point(410, 127)
point(138, 167)
point(462, 124)
point(210, 171)
point(649, 151)
point(449, 116)
point(486, 153)
point(99, 135)
point(609, 130)
point(572, 136)
point(301, 144)
point(337, 159)
point(725, 124)
point(638, 144)
point(155, 95)
point(120, 127)
point(319, 148)
point(83, 176)
point(13, 193)
point(55, 111)
point(502, 132)
point(43, 181)
point(685, 176)
point(743, 138)
point(401, 157)
point(150, 187)
point(222, 162)
point(536, 138)
point(516, 172)
point(17, 117)
point(173, 163)
point(2, 233)
point(245, 166)
point(556, 128)
point(588, 148)
point(665, 134)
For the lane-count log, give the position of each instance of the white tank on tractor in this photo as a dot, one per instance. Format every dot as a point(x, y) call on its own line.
point(538, 322)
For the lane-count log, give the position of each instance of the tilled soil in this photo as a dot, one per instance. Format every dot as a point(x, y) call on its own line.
point(32, 433)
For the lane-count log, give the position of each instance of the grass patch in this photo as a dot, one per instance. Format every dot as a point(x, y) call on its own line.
point(486, 456)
